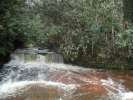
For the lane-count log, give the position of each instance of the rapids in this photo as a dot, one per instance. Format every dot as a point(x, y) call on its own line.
point(34, 74)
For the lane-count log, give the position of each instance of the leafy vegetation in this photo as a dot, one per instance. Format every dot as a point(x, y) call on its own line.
point(83, 31)
point(7, 9)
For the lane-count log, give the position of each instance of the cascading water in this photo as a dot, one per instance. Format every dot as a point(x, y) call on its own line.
point(34, 74)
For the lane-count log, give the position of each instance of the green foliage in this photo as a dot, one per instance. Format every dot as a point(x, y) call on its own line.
point(82, 24)
point(73, 27)
point(82, 30)
point(125, 38)
point(7, 9)
point(2, 51)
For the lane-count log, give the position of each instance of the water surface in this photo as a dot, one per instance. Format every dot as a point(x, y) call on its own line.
point(34, 76)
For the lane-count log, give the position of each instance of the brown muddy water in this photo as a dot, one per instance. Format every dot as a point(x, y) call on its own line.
point(31, 76)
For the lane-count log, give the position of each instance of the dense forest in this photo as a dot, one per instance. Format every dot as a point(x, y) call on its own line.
point(85, 32)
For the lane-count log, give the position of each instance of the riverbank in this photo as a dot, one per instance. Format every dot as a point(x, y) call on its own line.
point(112, 66)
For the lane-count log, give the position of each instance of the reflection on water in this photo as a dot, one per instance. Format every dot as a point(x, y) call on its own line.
point(33, 76)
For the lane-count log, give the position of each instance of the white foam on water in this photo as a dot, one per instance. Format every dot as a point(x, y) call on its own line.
point(59, 66)
point(110, 84)
point(127, 96)
point(12, 88)
point(120, 92)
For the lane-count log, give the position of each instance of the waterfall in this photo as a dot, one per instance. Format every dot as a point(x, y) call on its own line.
point(41, 68)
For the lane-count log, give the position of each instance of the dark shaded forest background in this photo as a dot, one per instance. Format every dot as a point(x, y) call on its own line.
point(86, 32)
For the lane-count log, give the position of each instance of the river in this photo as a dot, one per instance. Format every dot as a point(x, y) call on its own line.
point(34, 74)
